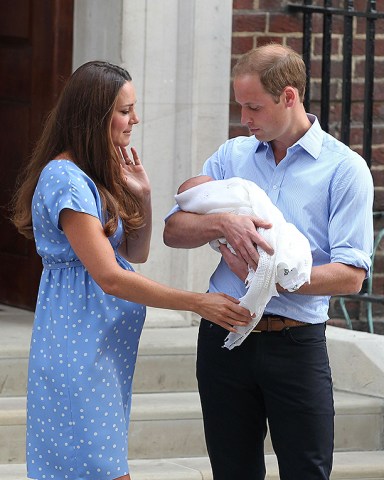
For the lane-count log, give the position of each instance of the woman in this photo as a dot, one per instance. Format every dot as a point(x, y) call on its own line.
point(86, 201)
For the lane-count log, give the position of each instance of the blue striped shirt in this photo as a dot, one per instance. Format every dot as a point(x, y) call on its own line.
point(321, 186)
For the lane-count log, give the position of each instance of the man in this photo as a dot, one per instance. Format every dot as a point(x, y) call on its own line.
point(280, 374)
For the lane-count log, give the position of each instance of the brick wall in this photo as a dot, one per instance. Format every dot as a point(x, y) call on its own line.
point(256, 22)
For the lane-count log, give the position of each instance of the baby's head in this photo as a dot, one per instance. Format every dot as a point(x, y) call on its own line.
point(193, 182)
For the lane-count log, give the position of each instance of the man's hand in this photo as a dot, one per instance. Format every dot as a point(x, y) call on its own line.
point(191, 230)
point(235, 263)
point(241, 233)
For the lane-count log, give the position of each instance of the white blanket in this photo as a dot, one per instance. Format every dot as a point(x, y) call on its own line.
point(291, 263)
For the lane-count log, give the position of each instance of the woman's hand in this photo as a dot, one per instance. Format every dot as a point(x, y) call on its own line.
point(136, 249)
point(223, 310)
point(134, 173)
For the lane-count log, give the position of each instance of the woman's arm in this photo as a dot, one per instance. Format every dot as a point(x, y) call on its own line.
point(87, 238)
point(136, 248)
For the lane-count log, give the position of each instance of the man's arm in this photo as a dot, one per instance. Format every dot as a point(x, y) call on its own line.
point(190, 230)
point(334, 279)
point(329, 279)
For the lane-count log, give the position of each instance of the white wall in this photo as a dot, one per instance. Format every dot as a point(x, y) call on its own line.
point(178, 53)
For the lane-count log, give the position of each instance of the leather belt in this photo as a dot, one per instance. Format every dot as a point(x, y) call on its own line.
point(276, 323)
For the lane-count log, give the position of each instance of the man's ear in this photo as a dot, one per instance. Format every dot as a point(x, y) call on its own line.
point(290, 96)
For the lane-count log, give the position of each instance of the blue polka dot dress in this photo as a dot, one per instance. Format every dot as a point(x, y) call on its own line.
point(83, 348)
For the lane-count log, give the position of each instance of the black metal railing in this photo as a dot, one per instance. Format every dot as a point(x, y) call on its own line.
point(348, 12)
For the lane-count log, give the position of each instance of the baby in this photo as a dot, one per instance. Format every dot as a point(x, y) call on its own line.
point(290, 265)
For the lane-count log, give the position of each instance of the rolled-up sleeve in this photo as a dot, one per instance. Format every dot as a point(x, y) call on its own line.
point(351, 216)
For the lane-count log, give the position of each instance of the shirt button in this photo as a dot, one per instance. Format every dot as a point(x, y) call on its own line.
point(275, 187)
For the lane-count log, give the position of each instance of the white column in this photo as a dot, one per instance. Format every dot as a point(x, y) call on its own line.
point(97, 31)
point(178, 54)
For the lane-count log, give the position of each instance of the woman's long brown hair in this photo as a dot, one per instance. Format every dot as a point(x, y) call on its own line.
point(80, 124)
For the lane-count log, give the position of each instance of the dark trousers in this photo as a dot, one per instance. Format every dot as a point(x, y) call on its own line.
point(280, 379)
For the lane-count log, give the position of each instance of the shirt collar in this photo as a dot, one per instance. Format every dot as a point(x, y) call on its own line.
point(312, 140)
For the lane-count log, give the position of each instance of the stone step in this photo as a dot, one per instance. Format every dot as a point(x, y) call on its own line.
point(347, 466)
point(15, 328)
point(170, 425)
point(166, 361)
point(166, 417)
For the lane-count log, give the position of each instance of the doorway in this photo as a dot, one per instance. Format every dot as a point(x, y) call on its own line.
point(36, 40)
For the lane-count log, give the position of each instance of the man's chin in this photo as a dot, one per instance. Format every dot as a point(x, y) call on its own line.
point(257, 135)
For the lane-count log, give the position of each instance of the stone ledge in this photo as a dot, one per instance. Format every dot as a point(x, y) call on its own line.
point(347, 466)
point(357, 361)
